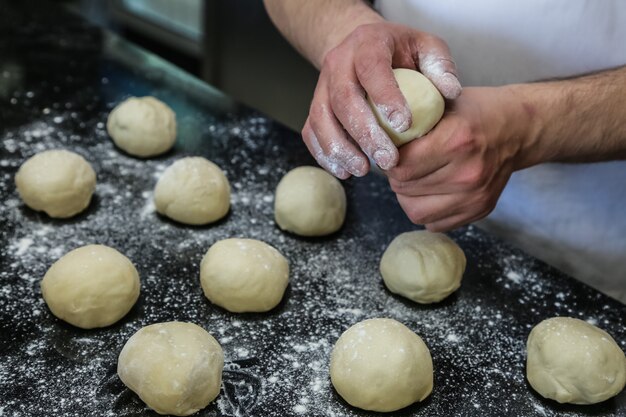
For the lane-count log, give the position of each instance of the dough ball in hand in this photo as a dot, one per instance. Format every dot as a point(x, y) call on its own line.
point(572, 361)
point(381, 365)
point(424, 100)
point(142, 126)
point(193, 191)
point(244, 275)
point(309, 202)
point(422, 266)
point(58, 182)
point(174, 367)
point(92, 286)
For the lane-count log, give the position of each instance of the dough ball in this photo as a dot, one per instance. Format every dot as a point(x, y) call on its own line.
point(193, 190)
point(571, 361)
point(142, 126)
point(381, 365)
point(174, 367)
point(309, 202)
point(244, 275)
point(424, 100)
point(92, 286)
point(58, 182)
point(422, 266)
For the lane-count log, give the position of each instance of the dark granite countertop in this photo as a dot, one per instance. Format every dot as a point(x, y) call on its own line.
point(59, 78)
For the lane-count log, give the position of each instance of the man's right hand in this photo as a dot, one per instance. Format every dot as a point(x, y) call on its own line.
point(341, 128)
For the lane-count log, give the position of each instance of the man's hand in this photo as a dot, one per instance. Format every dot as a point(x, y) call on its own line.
point(341, 128)
point(455, 174)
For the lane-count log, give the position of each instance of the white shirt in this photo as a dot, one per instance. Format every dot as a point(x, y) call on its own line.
point(572, 216)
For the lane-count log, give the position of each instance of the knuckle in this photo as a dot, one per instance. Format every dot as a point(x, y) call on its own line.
point(340, 95)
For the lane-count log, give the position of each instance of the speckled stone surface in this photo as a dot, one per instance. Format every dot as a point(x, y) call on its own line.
point(59, 78)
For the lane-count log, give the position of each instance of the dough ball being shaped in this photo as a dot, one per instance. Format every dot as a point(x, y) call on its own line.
point(58, 182)
point(422, 266)
point(244, 275)
point(174, 367)
point(309, 202)
point(92, 286)
point(142, 126)
point(572, 361)
point(381, 365)
point(425, 102)
point(194, 191)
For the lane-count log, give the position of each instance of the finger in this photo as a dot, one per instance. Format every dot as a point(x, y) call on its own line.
point(431, 208)
point(323, 160)
point(374, 72)
point(330, 139)
point(454, 222)
point(348, 104)
point(435, 62)
point(418, 159)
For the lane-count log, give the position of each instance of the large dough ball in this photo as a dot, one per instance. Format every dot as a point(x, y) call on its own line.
point(142, 126)
point(57, 182)
point(244, 275)
point(174, 367)
point(381, 365)
point(92, 286)
point(424, 100)
point(571, 361)
point(309, 202)
point(422, 266)
point(193, 190)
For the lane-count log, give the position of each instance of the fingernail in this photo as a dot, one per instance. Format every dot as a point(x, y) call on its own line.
point(450, 86)
point(357, 166)
point(398, 121)
point(383, 158)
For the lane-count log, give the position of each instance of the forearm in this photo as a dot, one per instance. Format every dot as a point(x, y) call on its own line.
point(576, 120)
point(314, 27)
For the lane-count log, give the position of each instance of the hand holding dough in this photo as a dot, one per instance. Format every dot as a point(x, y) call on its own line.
point(425, 103)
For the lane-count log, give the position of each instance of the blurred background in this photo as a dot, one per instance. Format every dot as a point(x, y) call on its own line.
point(230, 44)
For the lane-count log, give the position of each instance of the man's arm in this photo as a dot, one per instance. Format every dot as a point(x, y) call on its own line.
point(455, 174)
point(314, 27)
point(581, 119)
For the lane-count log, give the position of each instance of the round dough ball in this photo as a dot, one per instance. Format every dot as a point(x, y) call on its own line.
point(381, 365)
point(142, 126)
point(424, 100)
point(571, 361)
point(244, 275)
point(174, 367)
point(422, 266)
point(309, 202)
point(58, 182)
point(194, 191)
point(92, 286)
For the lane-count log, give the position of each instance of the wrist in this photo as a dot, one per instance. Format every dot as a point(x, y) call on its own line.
point(342, 24)
point(525, 121)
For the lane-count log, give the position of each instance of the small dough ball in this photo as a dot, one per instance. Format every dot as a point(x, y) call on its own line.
point(174, 367)
point(381, 365)
point(244, 275)
point(572, 361)
point(422, 266)
point(194, 191)
point(58, 182)
point(309, 202)
point(92, 286)
point(425, 103)
point(142, 126)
